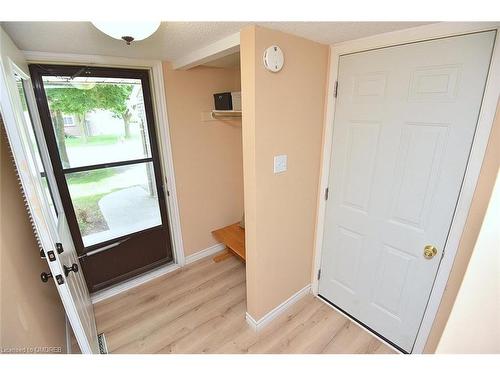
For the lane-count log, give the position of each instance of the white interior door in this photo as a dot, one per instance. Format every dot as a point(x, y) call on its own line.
point(45, 208)
point(404, 123)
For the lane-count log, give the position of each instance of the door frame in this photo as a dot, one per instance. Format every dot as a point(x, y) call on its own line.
point(162, 129)
point(484, 125)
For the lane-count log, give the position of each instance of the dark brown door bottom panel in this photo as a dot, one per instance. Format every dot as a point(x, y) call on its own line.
point(133, 256)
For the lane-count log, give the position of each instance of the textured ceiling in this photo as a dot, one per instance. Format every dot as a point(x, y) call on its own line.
point(175, 39)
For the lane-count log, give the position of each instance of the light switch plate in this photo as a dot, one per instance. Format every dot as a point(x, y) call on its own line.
point(280, 163)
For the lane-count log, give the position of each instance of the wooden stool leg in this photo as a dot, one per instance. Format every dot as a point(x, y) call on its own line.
point(222, 256)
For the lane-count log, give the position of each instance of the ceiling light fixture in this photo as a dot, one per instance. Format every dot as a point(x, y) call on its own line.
point(128, 31)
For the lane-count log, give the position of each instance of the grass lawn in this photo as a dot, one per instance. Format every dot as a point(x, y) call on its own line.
point(89, 215)
point(90, 176)
point(96, 140)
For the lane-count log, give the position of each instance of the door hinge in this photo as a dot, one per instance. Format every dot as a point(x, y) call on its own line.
point(319, 273)
point(326, 194)
point(166, 188)
point(164, 192)
point(336, 89)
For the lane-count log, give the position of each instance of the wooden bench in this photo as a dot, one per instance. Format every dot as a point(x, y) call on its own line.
point(233, 236)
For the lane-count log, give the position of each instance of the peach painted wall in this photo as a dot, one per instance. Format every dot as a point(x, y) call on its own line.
point(31, 313)
point(283, 113)
point(207, 155)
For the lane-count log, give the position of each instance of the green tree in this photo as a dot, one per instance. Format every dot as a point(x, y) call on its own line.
point(114, 98)
point(71, 100)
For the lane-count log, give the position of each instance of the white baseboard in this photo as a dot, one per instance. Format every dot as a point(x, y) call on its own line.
point(257, 325)
point(205, 253)
point(148, 276)
point(251, 321)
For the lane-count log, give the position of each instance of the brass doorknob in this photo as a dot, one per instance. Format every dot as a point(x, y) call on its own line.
point(429, 251)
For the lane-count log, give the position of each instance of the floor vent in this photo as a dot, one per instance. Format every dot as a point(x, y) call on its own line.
point(103, 348)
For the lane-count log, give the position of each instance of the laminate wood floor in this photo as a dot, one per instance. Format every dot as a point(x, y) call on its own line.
point(201, 309)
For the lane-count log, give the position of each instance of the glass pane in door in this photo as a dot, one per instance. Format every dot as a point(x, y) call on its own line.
point(97, 120)
point(34, 143)
point(113, 202)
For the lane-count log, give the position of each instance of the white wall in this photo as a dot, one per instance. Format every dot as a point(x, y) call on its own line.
point(474, 323)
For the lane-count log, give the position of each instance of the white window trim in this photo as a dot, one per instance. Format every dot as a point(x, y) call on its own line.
point(161, 123)
point(486, 118)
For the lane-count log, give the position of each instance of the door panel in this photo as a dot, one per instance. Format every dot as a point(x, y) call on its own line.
point(127, 201)
point(404, 124)
point(103, 121)
point(133, 256)
point(36, 179)
point(360, 161)
point(419, 163)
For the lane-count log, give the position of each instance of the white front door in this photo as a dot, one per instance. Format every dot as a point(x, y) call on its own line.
point(44, 206)
point(404, 123)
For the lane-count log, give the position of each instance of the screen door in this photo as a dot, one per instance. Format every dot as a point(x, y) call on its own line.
point(99, 127)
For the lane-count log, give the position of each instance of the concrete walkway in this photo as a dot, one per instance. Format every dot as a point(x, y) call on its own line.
point(126, 211)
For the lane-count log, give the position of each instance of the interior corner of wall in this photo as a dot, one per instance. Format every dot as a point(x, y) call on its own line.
point(167, 65)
